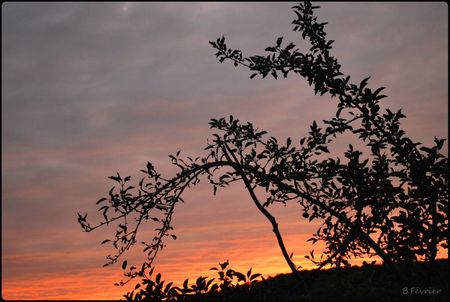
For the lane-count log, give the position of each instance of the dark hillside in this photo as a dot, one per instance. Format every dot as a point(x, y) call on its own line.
point(365, 283)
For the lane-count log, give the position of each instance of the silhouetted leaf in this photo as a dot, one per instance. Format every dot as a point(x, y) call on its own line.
point(100, 200)
point(254, 276)
point(224, 264)
point(168, 286)
point(279, 41)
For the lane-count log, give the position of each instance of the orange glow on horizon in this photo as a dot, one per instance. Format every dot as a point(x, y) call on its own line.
point(98, 283)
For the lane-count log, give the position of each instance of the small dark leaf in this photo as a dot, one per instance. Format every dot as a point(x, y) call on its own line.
point(323, 148)
point(168, 286)
point(302, 140)
point(100, 200)
point(290, 46)
point(224, 265)
point(115, 178)
point(376, 92)
point(279, 41)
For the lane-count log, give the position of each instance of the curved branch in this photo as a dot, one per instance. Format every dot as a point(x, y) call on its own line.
point(269, 217)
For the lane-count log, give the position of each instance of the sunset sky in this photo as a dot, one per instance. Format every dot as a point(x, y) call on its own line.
point(89, 89)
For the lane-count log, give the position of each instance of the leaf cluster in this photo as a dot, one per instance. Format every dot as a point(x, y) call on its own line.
point(229, 283)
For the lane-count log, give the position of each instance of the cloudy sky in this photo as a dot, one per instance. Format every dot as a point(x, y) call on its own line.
point(89, 89)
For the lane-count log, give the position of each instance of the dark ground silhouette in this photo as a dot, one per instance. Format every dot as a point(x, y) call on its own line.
point(370, 282)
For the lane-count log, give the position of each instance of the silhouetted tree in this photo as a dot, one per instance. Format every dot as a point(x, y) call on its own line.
point(389, 199)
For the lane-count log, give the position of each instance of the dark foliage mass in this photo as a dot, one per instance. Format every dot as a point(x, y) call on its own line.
point(387, 199)
point(229, 284)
